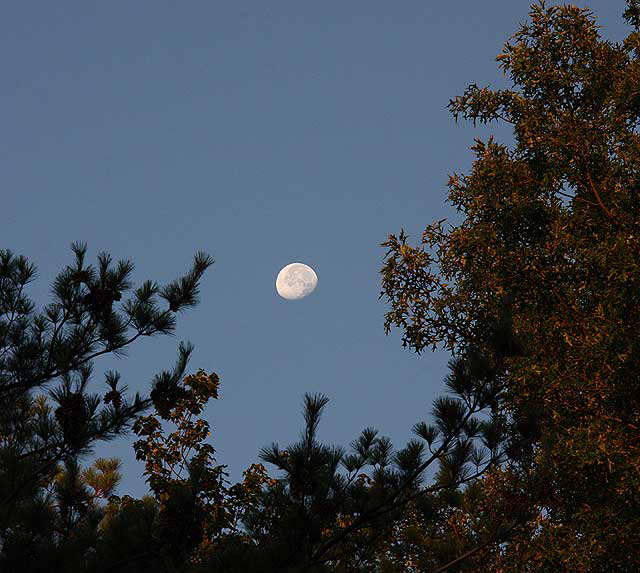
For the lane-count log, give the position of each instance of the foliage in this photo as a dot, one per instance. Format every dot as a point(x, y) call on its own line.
point(535, 450)
point(60, 522)
point(54, 349)
point(193, 512)
point(189, 490)
point(333, 510)
point(542, 274)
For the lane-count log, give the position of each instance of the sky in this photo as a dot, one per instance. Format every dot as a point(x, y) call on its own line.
point(262, 133)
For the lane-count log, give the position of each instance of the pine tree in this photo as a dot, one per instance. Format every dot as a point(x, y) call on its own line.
point(334, 510)
point(44, 495)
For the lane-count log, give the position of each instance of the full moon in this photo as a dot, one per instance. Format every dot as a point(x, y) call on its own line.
point(295, 281)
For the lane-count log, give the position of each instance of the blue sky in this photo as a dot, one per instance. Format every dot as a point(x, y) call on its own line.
point(262, 133)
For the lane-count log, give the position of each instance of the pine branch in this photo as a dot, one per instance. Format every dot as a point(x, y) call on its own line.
point(47, 376)
point(385, 506)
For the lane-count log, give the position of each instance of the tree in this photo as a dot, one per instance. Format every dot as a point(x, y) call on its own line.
point(535, 293)
point(331, 510)
point(194, 512)
point(543, 275)
point(43, 491)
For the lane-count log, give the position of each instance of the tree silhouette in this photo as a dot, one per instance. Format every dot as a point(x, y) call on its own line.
point(54, 349)
point(535, 449)
point(333, 510)
point(542, 276)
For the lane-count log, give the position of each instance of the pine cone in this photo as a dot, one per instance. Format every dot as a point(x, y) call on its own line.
point(72, 416)
point(115, 397)
point(100, 300)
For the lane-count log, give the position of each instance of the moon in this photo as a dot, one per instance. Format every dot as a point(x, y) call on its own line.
point(295, 281)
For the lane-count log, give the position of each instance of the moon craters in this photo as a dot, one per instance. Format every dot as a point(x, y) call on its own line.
point(296, 281)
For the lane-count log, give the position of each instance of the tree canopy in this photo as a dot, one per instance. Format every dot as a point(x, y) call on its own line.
point(543, 273)
point(535, 447)
point(48, 514)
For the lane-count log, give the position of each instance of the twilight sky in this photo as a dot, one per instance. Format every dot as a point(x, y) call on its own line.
point(263, 133)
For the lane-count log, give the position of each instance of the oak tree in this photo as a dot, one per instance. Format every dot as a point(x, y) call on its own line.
point(543, 274)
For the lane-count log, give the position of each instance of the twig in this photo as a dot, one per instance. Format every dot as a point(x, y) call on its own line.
point(471, 552)
point(576, 198)
point(595, 192)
